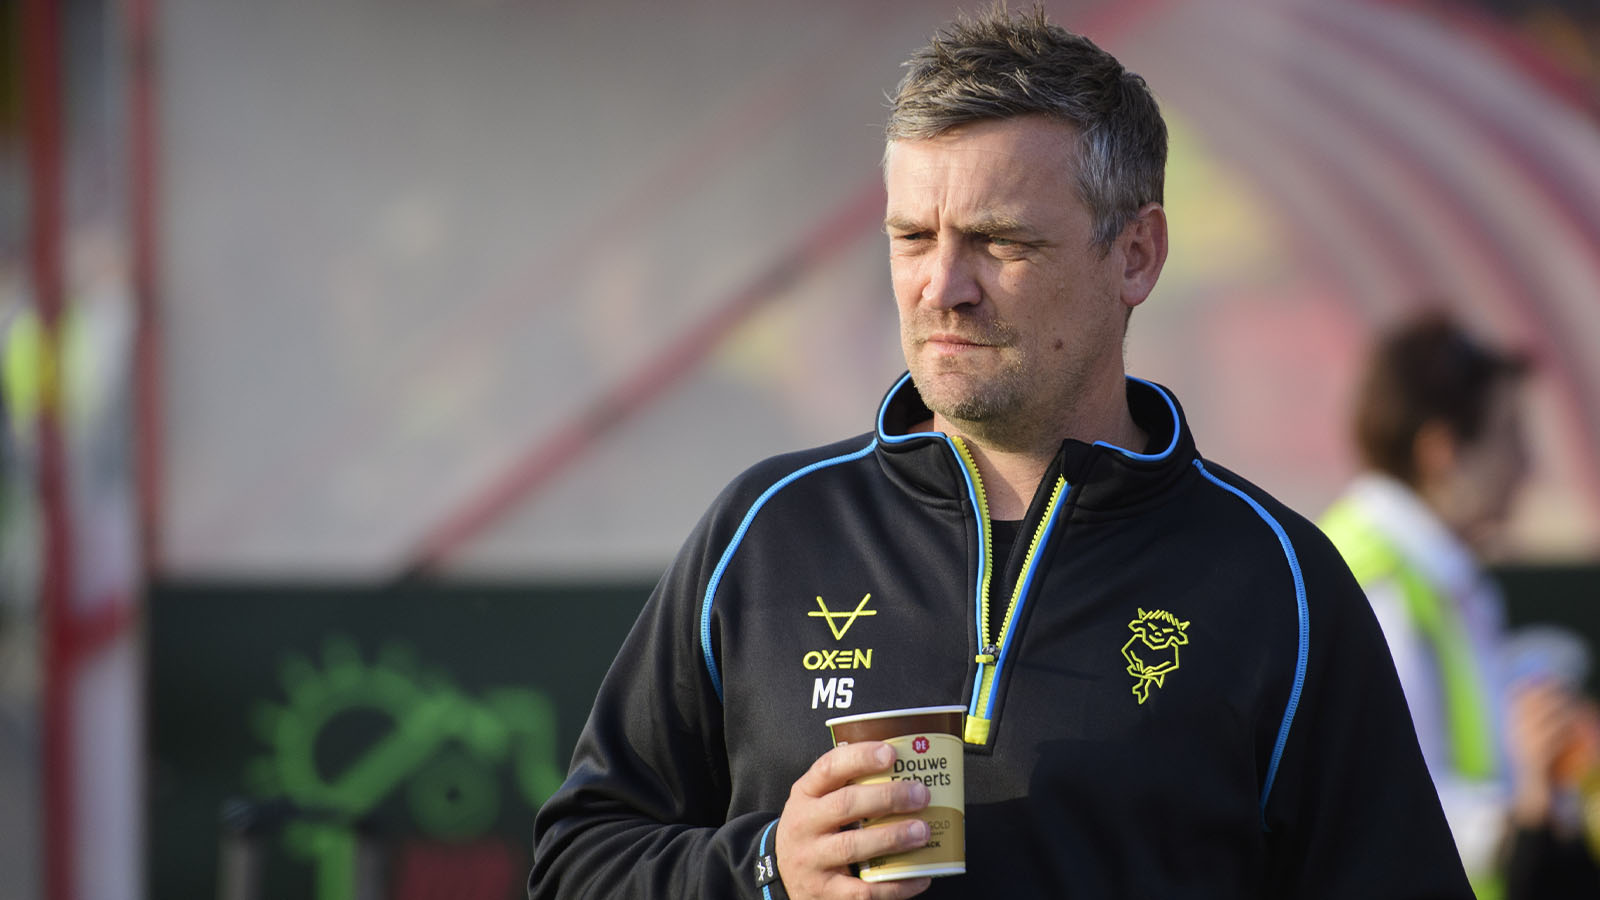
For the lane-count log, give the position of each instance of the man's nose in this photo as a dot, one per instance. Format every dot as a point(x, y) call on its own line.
point(952, 279)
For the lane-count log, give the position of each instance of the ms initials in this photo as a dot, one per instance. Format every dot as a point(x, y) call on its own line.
point(835, 693)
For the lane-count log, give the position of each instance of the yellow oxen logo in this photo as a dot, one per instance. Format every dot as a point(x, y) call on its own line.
point(1152, 652)
point(848, 617)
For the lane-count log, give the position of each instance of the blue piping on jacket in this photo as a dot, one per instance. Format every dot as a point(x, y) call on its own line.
point(1305, 632)
point(738, 536)
point(1171, 446)
point(766, 889)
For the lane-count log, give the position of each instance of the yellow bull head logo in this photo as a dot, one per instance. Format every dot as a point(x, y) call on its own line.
point(1152, 652)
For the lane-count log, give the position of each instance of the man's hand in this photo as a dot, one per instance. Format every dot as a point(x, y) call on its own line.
point(1541, 722)
point(814, 855)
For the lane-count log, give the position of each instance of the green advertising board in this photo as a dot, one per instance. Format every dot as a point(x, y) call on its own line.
point(340, 743)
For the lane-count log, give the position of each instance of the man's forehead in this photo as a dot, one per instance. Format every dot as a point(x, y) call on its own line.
point(990, 181)
point(997, 160)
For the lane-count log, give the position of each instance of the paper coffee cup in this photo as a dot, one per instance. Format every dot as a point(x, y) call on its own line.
point(928, 748)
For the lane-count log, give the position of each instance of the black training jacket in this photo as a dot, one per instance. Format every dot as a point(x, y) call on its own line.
point(1180, 692)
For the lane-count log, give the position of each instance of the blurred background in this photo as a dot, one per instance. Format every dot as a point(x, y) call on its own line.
point(365, 362)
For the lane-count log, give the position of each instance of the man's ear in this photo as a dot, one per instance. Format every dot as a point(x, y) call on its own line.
point(1143, 243)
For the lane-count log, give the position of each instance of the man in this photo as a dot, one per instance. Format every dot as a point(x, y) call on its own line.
point(1438, 427)
point(1023, 515)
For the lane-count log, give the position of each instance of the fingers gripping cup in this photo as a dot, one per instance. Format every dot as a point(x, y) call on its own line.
point(928, 748)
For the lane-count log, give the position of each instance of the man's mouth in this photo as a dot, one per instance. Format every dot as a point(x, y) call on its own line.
point(945, 340)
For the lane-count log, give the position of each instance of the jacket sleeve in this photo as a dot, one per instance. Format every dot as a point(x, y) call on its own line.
point(1353, 812)
point(643, 811)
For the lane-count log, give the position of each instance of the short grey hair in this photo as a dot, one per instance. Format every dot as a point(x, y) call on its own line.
point(1000, 66)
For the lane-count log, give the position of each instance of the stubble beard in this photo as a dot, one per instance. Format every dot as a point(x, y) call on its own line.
point(965, 399)
point(977, 402)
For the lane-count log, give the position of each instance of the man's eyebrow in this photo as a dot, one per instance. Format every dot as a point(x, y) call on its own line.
point(996, 223)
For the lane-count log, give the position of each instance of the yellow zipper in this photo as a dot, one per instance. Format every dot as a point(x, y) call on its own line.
point(1033, 551)
point(977, 726)
point(985, 536)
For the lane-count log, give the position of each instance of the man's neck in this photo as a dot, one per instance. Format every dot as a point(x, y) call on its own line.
point(1009, 479)
point(1012, 465)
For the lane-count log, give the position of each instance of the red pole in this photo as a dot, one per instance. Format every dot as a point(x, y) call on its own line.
point(42, 78)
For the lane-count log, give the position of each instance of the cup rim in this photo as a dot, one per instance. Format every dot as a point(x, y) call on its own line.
point(895, 713)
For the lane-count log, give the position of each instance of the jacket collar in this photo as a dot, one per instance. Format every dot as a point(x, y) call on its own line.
point(1103, 476)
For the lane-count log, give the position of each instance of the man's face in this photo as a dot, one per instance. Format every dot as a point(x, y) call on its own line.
point(1489, 470)
point(1008, 311)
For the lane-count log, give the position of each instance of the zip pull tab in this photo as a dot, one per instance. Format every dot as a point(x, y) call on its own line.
point(989, 655)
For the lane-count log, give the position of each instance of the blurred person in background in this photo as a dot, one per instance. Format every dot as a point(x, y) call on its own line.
point(1438, 425)
point(1028, 532)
